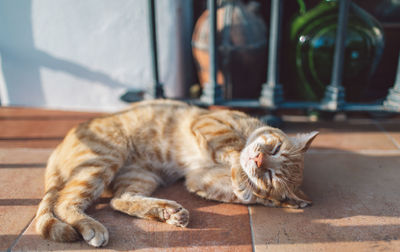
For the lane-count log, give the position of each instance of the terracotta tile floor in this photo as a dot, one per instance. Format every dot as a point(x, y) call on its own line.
point(352, 174)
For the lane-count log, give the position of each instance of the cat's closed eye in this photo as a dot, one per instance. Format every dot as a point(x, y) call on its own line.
point(276, 149)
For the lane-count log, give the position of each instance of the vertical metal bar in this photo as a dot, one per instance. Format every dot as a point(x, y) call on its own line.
point(393, 98)
point(274, 38)
point(397, 81)
point(272, 93)
point(212, 5)
point(338, 60)
point(157, 89)
point(334, 94)
point(212, 93)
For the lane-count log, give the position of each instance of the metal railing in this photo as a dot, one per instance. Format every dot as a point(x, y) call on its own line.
point(271, 96)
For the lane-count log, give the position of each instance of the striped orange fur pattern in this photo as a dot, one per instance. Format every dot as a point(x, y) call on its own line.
point(155, 143)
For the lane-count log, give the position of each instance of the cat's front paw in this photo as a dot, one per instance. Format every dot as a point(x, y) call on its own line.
point(176, 215)
point(288, 203)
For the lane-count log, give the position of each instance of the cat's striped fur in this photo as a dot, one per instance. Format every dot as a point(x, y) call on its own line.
point(155, 143)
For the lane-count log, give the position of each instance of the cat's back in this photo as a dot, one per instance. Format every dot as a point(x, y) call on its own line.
point(158, 116)
point(218, 122)
point(148, 129)
point(160, 109)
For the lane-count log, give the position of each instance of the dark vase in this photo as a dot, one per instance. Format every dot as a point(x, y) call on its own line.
point(241, 49)
point(312, 45)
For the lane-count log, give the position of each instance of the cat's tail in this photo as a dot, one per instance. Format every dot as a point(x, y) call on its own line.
point(48, 225)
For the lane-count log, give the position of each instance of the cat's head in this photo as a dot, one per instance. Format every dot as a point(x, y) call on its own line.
point(274, 162)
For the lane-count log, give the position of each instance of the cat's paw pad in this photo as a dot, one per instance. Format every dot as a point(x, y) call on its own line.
point(176, 215)
point(94, 233)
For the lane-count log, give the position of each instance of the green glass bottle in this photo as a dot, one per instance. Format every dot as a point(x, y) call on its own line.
point(312, 45)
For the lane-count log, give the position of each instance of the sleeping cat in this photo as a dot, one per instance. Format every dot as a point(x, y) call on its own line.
point(223, 155)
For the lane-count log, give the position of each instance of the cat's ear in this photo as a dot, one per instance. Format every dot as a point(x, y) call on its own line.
point(305, 140)
point(298, 199)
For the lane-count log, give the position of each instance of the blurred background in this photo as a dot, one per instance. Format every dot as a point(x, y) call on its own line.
point(85, 55)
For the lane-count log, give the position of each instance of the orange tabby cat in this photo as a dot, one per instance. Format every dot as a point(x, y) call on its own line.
point(223, 155)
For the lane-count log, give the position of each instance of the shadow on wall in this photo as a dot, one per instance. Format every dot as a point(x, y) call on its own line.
point(42, 59)
point(17, 32)
point(19, 55)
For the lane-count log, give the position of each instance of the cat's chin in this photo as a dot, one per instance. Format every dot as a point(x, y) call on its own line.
point(258, 181)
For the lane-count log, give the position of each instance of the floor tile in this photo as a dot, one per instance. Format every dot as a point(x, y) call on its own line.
point(356, 200)
point(21, 180)
point(13, 220)
point(213, 227)
point(356, 207)
point(347, 135)
point(15, 157)
point(37, 128)
point(392, 128)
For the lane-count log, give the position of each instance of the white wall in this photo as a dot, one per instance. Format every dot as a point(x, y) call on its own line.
point(83, 55)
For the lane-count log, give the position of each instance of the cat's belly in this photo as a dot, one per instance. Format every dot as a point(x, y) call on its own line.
point(171, 173)
point(165, 172)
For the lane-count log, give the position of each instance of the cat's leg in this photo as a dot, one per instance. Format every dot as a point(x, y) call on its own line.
point(299, 201)
point(223, 180)
point(79, 192)
point(214, 183)
point(132, 189)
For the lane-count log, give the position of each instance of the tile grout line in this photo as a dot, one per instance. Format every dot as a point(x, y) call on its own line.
point(381, 128)
point(20, 235)
point(253, 245)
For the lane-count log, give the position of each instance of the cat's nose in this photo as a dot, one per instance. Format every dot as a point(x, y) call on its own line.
point(258, 159)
